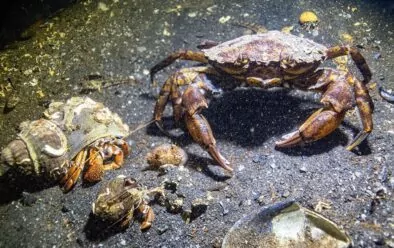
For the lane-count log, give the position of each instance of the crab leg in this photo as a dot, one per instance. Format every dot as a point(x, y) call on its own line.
point(199, 127)
point(357, 57)
point(170, 89)
point(180, 54)
point(365, 108)
point(192, 101)
point(69, 180)
point(337, 99)
point(147, 216)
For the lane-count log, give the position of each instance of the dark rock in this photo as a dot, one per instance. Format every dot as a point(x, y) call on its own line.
point(173, 203)
point(162, 229)
point(28, 199)
point(65, 209)
point(199, 206)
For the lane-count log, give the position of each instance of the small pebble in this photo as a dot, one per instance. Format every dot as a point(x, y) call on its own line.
point(286, 194)
point(303, 169)
point(379, 241)
point(199, 206)
point(65, 209)
point(162, 229)
point(225, 210)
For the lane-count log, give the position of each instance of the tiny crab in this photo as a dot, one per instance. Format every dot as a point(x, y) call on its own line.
point(121, 200)
point(266, 60)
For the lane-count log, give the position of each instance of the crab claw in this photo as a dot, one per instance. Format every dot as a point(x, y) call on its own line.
point(318, 125)
point(201, 132)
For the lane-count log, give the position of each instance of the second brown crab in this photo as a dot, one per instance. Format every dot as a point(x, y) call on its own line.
point(266, 60)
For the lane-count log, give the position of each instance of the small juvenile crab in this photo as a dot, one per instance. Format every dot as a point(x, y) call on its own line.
point(122, 199)
point(73, 134)
point(265, 60)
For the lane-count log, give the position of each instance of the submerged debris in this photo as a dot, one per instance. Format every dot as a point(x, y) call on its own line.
point(386, 95)
point(286, 224)
point(93, 83)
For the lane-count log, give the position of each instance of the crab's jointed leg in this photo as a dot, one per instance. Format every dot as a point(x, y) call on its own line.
point(180, 54)
point(69, 180)
point(357, 57)
point(365, 108)
point(337, 99)
point(147, 216)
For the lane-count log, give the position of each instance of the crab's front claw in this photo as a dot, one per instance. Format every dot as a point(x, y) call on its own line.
point(318, 125)
point(201, 132)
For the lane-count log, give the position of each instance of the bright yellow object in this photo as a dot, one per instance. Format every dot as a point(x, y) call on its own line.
point(308, 17)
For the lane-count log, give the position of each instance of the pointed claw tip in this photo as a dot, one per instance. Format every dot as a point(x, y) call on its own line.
point(289, 140)
point(357, 140)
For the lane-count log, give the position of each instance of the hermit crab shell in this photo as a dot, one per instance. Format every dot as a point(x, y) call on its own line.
point(84, 121)
point(40, 149)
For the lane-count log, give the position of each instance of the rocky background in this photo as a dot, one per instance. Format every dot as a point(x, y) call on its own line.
point(51, 51)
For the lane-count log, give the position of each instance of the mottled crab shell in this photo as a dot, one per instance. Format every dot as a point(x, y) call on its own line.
point(117, 198)
point(40, 149)
point(84, 121)
point(270, 47)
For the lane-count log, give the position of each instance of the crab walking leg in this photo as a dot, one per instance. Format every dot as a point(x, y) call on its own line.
point(199, 127)
point(365, 108)
point(337, 99)
point(147, 216)
point(69, 180)
point(357, 57)
point(180, 54)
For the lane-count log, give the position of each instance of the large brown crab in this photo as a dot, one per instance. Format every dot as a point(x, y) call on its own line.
point(271, 59)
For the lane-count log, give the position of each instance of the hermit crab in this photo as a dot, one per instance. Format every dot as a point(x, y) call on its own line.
point(72, 134)
point(265, 60)
point(121, 200)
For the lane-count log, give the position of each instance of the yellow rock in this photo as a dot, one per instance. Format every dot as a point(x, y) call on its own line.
point(308, 17)
point(287, 29)
point(347, 38)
